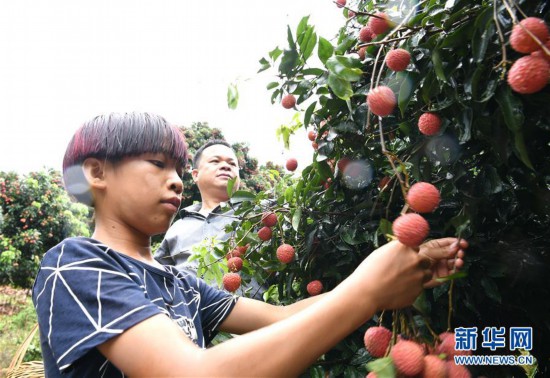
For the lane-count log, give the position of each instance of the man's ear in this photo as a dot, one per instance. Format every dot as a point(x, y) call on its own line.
point(94, 171)
point(195, 174)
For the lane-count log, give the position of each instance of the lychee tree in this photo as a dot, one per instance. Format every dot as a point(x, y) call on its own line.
point(449, 114)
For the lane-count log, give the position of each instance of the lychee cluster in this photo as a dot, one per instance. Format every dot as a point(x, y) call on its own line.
point(530, 73)
point(411, 358)
point(232, 280)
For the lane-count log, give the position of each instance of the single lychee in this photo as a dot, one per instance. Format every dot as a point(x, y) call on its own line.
point(379, 24)
point(381, 101)
point(411, 229)
point(423, 197)
point(543, 54)
point(269, 219)
point(429, 124)
point(434, 367)
point(291, 164)
point(362, 52)
point(242, 249)
point(231, 281)
point(340, 3)
point(408, 357)
point(235, 264)
point(377, 340)
point(311, 135)
point(365, 34)
point(398, 59)
point(265, 233)
point(522, 42)
point(457, 371)
point(351, 14)
point(343, 163)
point(314, 287)
point(235, 252)
point(315, 145)
point(285, 253)
point(447, 346)
point(288, 101)
point(529, 74)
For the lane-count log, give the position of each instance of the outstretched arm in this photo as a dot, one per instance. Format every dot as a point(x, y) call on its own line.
point(391, 277)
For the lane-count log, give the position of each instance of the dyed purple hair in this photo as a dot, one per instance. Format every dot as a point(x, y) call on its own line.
point(115, 136)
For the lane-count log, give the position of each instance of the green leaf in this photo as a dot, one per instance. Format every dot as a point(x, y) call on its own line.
point(296, 217)
point(511, 108)
point(290, 38)
point(307, 42)
point(289, 61)
point(243, 195)
point(313, 71)
point(264, 65)
point(325, 49)
point(340, 86)
point(438, 65)
point(272, 85)
point(302, 27)
point(521, 149)
point(345, 67)
point(491, 289)
point(383, 367)
point(230, 186)
point(484, 31)
point(275, 53)
point(232, 96)
point(308, 113)
point(408, 83)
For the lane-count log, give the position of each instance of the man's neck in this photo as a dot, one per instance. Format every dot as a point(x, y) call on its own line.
point(209, 204)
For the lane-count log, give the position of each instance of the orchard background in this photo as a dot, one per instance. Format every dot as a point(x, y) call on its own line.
point(489, 161)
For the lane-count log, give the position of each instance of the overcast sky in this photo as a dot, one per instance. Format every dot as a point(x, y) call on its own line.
point(63, 62)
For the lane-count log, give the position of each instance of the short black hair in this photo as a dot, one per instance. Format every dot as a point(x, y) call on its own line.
point(209, 143)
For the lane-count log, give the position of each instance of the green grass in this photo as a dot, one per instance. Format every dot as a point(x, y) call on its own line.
point(16, 321)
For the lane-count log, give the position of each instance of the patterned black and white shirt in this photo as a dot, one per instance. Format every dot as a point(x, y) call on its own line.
point(86, 293)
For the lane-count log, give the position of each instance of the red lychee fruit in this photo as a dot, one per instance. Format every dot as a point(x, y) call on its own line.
point(541, 53)
point(365, 34)
point(429, 124)
point(362, 52)
point(423, 197)
point(315, 145)
point(288, 101)
point(408, 357)
point(235, 252)
point(235, 264)
point(242, 249)
point(457, 371)
point(351, 14)
point(231, 281)
point(411, 229)
point(269, 219)
point(398, 59)
point(447, 346)
point(285, 253)
point(265, 233)
point(379, 24)
point(343, 163)
point(372, 374)
point(381, 101)
point(522, 42)
point(340, 3)
point(314, 287)
point(529, 74)
point(311, 135)
point(291, 164)
point(377, 340)
point(434, 367)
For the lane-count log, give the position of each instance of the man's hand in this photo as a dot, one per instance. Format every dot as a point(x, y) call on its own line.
point(446, 256)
